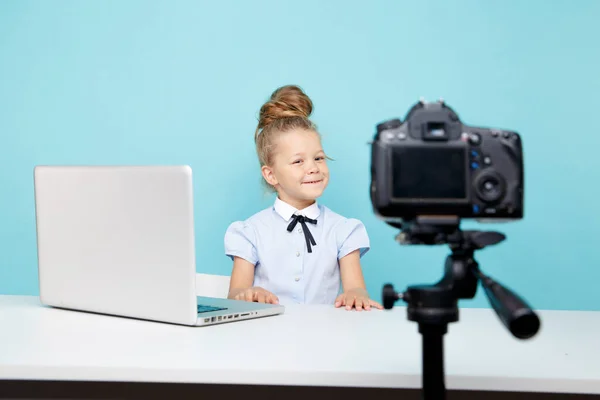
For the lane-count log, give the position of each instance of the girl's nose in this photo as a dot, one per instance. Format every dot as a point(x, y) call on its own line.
point(312, 167)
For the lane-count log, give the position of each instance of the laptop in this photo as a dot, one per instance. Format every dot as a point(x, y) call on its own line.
point(119, 240)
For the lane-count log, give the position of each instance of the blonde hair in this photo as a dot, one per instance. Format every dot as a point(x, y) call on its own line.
point(288, 108)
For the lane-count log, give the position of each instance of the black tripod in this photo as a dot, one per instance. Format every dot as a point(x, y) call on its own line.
point(434, 306)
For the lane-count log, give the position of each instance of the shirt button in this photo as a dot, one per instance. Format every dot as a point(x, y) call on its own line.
point(297, 279)
point(299, 230)
point(297, 254)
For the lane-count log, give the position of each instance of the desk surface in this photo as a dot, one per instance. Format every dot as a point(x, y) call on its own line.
point(308, 345)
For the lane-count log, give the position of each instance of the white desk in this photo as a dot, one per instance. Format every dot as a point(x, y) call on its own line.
point(307, 346)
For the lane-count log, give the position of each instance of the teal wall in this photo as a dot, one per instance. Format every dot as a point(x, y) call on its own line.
point(180, 82)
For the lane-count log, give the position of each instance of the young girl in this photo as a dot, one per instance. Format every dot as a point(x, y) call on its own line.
point(297, 250)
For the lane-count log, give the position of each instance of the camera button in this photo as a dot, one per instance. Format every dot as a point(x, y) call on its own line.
point(487, 160)
point(401, 135)
point(474, 138)
point(390, 124)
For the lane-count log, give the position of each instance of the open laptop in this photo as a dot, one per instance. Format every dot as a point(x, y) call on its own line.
point(119, 240)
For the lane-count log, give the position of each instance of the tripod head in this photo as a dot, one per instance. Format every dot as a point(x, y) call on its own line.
point(437, 304)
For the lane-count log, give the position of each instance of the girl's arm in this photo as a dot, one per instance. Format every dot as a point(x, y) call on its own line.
point(351, 272)
point(240, 284)
point(353, 284)
point(242, 276)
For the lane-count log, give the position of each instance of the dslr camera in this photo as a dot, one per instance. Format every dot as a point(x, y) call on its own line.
point(433, 165)
point(427, 173)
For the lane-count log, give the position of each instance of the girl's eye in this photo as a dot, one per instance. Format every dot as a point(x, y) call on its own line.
point(319, 158)
point(297, 161)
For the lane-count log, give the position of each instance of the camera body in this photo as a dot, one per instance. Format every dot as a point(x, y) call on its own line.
point(434, 165)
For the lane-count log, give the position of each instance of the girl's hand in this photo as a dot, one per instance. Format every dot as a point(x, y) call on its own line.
point(357, 298)
point(255, 294)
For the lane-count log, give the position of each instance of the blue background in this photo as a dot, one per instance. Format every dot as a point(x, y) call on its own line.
point(178, 82)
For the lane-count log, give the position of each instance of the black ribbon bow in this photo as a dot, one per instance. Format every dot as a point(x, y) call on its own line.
point(307, 235)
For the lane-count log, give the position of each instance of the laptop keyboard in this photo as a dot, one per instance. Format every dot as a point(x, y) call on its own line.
point(203, 308)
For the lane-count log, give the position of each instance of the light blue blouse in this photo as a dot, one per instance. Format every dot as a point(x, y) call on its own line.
point(282, 262)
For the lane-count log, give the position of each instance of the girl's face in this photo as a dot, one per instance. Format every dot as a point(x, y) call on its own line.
point(299, 171)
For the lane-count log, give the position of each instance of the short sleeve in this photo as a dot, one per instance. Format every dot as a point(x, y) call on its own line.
point(240, 241)
point(352, 235)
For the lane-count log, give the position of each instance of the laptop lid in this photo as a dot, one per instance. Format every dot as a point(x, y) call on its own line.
point(117, 240)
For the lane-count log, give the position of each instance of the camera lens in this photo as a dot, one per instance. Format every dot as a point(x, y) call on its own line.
point(489, 187)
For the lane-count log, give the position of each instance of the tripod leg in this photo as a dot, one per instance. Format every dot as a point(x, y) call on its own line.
point(433, 361)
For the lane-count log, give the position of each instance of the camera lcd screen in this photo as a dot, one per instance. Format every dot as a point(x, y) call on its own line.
point(434, 173)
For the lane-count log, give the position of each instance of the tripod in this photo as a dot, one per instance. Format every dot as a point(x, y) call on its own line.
point(434, 306)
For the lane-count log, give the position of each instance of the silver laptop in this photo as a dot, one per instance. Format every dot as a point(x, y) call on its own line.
point(119, 240)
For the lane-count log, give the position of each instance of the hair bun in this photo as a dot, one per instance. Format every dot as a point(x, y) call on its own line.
point(285, 102)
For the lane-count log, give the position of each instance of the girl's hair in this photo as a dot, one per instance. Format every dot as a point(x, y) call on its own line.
point(288, 108)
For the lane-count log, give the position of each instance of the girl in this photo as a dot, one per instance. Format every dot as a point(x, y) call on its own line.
point(297, 250)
